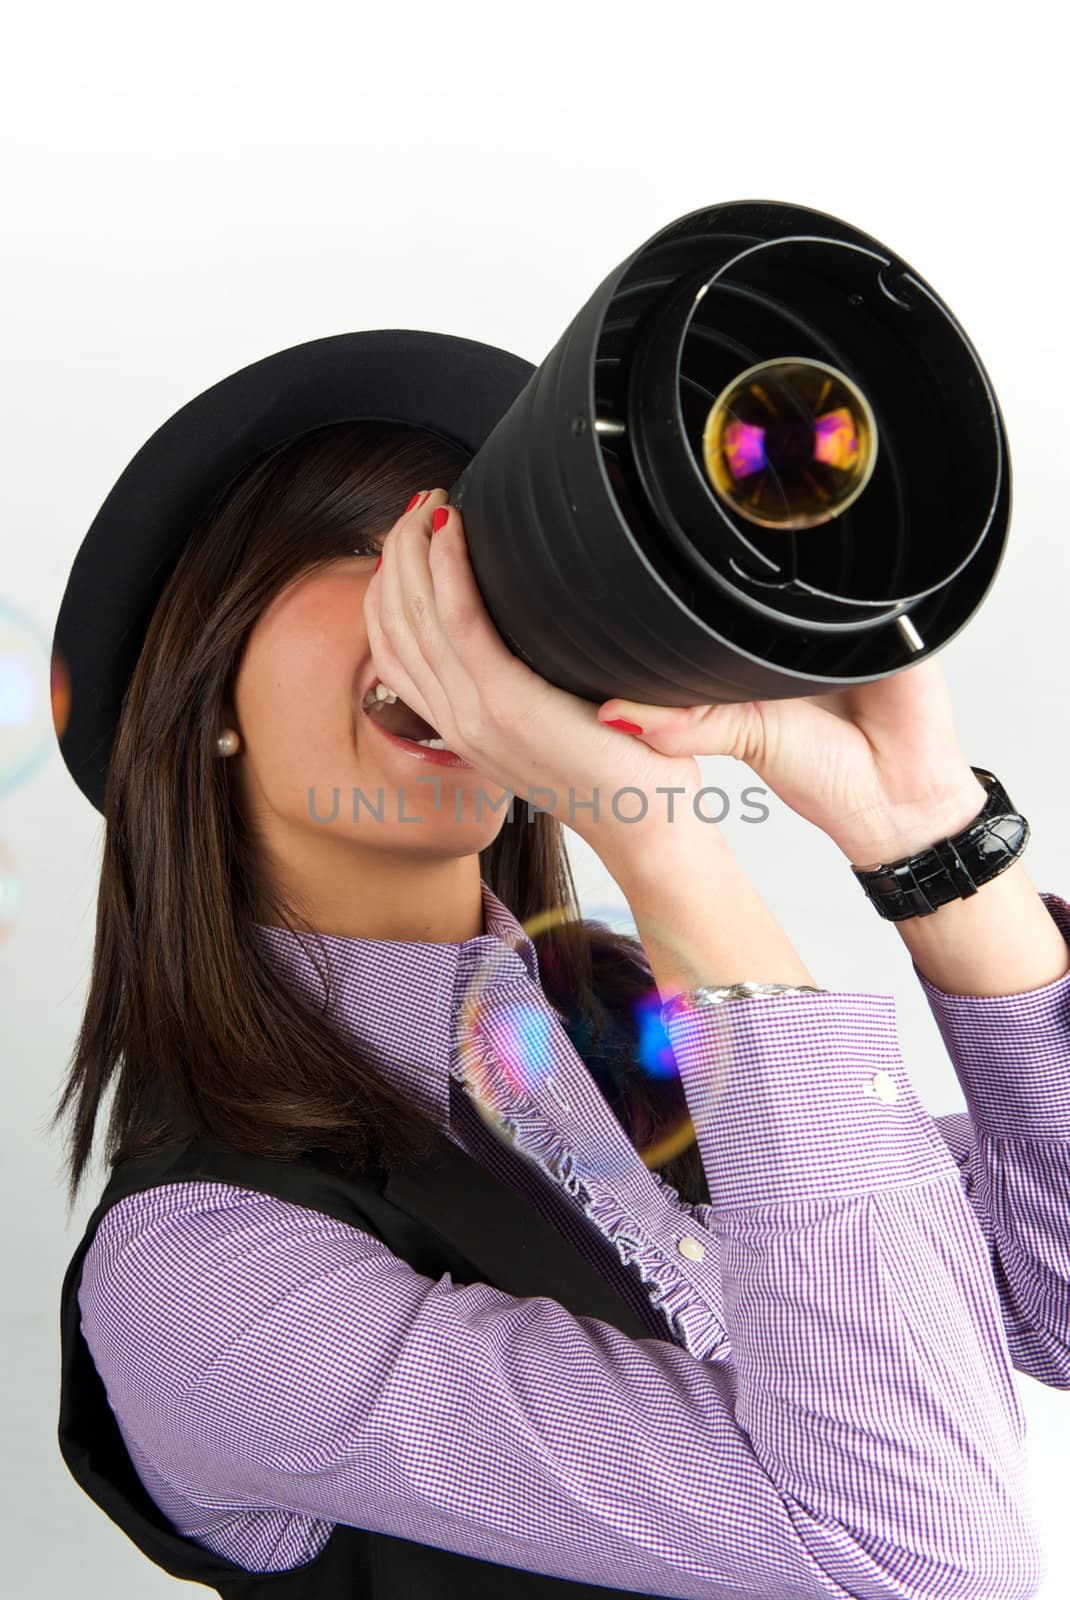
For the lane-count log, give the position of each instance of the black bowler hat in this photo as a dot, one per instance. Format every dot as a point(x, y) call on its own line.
point(457, 388)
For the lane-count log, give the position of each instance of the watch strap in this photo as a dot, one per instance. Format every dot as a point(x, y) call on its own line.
point(954, 868)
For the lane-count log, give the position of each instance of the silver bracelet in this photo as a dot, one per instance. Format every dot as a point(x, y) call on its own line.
point(709, 994)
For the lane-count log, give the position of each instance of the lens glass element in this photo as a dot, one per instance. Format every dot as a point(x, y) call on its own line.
point(789, 443)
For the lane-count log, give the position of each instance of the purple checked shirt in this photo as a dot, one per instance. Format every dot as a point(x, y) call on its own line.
point(825, 1406)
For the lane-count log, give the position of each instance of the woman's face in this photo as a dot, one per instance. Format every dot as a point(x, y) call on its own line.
point(313, 766)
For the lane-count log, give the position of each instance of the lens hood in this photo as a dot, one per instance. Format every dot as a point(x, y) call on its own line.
point(607, 558)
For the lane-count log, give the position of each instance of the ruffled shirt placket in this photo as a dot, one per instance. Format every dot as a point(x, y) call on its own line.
point(514, 1060)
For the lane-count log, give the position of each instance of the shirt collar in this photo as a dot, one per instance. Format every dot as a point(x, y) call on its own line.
point(399, 1000)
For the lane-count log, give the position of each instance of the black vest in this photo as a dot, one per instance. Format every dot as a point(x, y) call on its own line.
point(447, 1213)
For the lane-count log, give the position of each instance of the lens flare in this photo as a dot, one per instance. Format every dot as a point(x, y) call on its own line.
point(60, 686)
point(10, 891)
point(26, 732)
point(509, 1050)
point(789, 444)
point(655, 1052)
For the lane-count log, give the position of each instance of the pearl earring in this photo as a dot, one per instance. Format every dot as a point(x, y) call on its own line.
point(227, 743)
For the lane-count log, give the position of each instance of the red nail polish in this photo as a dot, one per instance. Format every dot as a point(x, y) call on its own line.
point(411, 503)
point(379, 563)
point(624, 725)
point(440, 518)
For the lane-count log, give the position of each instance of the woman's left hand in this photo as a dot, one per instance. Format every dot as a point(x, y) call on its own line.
point(878, 768)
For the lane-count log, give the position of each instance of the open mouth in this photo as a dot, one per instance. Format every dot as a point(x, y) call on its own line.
point(391, 713)
point(404, 726)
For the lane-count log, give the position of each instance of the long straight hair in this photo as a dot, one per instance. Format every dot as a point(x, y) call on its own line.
point(183, 1008)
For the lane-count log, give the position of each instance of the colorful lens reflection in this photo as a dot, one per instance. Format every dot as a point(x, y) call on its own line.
point(10, 891)
point(789, 444)
point(60, 687)
point(26, 732)
point(515, 1059)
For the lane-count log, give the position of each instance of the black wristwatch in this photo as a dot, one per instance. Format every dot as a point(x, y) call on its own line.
point(954, 868)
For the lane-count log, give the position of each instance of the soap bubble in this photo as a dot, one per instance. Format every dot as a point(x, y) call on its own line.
point(26, 731)
point(60, 686)
point(10, 891)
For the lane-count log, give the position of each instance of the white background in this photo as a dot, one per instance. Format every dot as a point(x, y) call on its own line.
point(186, 190)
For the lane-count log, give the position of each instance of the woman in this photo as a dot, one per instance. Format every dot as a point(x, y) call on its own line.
point(412, 1314)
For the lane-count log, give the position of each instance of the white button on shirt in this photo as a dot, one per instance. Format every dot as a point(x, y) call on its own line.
point(693, 1249)
point(884, 1087)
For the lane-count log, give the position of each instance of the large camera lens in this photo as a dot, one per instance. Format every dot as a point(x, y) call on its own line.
point(762, 461)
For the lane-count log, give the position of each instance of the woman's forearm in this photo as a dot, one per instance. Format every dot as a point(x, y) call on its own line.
point(699, 917)
point(701, 920)
point(1002, 940)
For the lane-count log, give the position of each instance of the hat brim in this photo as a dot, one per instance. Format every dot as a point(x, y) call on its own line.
point(455, 387)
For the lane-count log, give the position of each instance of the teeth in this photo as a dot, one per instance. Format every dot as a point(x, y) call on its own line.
point(379, 694)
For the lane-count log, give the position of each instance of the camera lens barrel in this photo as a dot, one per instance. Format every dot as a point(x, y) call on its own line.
point(611, 562)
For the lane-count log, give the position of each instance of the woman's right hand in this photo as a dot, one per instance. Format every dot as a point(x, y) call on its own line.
point(435, 644)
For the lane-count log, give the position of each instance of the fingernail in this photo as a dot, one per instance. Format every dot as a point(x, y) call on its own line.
point(379, 563)
point(440, 518)
point(624, 725)
point(412, 502)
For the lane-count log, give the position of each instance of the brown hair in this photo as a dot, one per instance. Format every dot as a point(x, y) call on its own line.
point(183, 1008)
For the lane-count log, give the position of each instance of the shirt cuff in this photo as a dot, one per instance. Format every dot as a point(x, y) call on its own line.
point(1012, 1052)
point(803, 1097)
